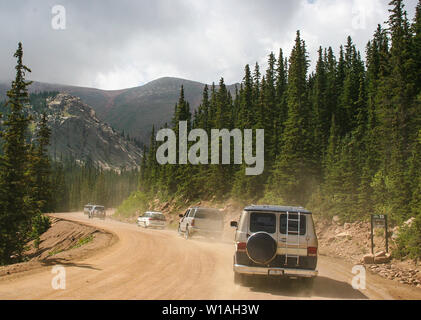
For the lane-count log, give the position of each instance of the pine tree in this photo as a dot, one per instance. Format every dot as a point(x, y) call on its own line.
point(16, 205)
point(341, 71)
point(294, 169)
point(269, 111)
point(223, 107)
point(40, 168)
point(281, 101)
point(256, 83)
point(350, 93)
point(246, 113)
point(321, 112)
point(416, 29)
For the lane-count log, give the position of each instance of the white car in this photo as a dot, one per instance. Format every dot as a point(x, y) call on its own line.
point(152, 220)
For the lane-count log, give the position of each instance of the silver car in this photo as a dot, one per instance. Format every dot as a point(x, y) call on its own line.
point(275, 241)
point(202, 221)
point(152, 220)
point(97, 211)
point(87, 208)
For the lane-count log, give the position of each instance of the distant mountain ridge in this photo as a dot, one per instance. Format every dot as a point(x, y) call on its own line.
point(133, 110)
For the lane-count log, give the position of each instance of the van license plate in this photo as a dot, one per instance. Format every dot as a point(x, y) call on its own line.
point(276, 272)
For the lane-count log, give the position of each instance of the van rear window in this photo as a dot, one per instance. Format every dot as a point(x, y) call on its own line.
point(293, 225)
point(263, 222)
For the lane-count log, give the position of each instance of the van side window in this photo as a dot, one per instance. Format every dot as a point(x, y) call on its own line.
point(263, 222)
point(293, 225)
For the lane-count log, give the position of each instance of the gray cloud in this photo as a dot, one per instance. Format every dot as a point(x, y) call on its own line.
point(116, 44)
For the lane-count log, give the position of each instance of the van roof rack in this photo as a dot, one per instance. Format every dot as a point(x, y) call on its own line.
point(277, 209)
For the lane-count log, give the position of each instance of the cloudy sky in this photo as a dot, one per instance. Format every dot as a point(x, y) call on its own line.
point(112, 44)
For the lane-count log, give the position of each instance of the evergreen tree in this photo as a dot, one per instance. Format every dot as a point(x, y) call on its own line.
point(293, 174)
point(321, 112)
point(281, 101)
point(16, 204)
point(270, 111)
point(246, 112)
point(40, 168)
point(416, 29)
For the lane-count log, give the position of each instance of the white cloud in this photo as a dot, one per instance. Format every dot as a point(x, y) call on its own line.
point(113, 45)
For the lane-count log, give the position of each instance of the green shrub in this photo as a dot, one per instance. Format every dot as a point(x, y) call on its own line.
point(83, 241)
point(54, 252)
point(408, 243)
point(40, 224)
point(138, 200)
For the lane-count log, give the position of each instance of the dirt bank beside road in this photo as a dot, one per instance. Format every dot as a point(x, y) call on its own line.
point(65, 241)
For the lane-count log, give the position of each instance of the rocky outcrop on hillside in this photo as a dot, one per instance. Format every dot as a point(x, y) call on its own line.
point(77, 133)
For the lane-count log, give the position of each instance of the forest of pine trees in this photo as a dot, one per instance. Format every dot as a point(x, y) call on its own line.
point(77, 184)
point(343, 140)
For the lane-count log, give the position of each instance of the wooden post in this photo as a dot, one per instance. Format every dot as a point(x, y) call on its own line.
point(387, 234)
point(372, 236)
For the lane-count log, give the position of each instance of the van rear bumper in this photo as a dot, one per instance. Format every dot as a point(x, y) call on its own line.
point(302, 273)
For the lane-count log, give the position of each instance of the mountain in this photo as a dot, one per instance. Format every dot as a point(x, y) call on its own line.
point(78, 133)
point(137, 109)
point(134, 110)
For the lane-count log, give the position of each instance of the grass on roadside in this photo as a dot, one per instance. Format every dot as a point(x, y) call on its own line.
point(80, 243)
point(83, 241)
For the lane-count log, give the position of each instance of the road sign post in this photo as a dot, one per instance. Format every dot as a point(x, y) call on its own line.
point(379, 221)
point(387, 234)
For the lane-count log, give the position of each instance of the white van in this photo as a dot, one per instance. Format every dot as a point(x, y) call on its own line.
point(275, 241)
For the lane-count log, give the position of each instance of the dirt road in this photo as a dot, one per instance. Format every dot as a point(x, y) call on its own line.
point(158, 264)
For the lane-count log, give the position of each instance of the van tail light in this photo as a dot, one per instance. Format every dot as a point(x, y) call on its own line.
point(192, 223)
point(312, 251)
point(241, 246)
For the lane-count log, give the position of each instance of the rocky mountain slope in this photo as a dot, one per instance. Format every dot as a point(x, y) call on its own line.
point(133, 110)
point(78, 133)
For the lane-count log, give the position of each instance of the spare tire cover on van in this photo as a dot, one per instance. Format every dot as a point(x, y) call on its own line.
point(261, 248)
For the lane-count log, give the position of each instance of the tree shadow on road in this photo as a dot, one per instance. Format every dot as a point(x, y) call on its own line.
point(322, 288)
point(65, 263)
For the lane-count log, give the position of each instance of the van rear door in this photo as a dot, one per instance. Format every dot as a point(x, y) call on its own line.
point(294, 241)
